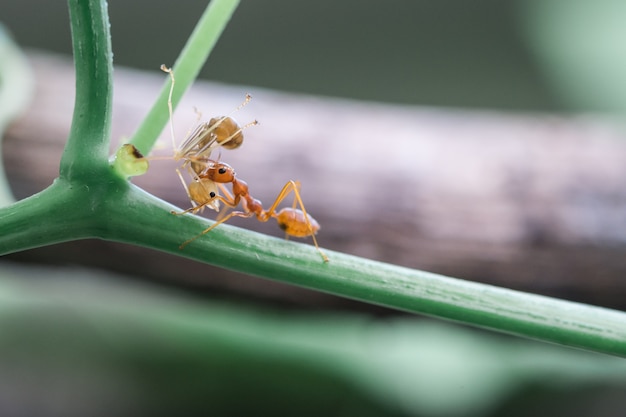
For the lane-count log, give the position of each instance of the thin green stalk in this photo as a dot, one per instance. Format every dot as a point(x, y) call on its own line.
point(187, 67)
point(514, 312)
point(136, 217)
point(87, 147)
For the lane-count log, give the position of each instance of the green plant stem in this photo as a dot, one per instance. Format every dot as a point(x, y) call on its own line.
point(187, 67)
point(509, 311)
point(87, 147)
point(52, 213)
point(136, 217)
point(91, 200)
point(71, 208)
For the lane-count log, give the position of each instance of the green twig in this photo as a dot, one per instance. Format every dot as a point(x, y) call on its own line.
point(509, 311)
point(91, 200)
point(87, 147)
point(136, 217)
point(187, 67)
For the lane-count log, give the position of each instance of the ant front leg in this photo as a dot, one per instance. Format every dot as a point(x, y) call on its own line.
point(214, 225)
point(228, 201)
point(182, 181)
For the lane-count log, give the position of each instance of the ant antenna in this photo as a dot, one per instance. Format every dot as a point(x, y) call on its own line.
point(169, 101)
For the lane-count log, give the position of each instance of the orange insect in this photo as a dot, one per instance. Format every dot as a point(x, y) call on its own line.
point(221, 131)
point(196, 149)
point(294, 221)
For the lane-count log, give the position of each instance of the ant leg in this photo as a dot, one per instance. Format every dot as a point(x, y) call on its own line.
point(296, 189)
point(195, 207)
point(233, 201)
point(192, 210)
point(182, 180)
point(287, 188)
point(293, 206)
point(238, 131)
point(195, 136)
point(201, 196)
point(204, 130)
point(214, 225)
point(185, 147)
point(294, 186)
point(296, 193)
point(199, 207)
point(227, 199)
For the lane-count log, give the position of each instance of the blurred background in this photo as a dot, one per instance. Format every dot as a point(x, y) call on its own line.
point(530, 55)
point(74, 339)
point(531, 88)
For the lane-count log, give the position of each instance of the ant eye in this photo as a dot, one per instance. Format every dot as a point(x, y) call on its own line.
point(222, 170)
point(212, 194)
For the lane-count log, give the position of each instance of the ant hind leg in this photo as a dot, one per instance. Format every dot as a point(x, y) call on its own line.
point(294, 187)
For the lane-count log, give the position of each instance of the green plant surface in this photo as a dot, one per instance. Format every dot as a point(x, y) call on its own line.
point(187, 67)
point(91, 199)
point(86, 151)
point(105, 339)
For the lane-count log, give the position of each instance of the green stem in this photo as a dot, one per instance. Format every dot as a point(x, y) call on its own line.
point(187, 67)
point(509, 311)
point(57, 214)
point(130, 215)
point(71, 208)
point(87, 147)
point(90, 200)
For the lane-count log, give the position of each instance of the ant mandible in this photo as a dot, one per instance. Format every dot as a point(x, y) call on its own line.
point(293, 221)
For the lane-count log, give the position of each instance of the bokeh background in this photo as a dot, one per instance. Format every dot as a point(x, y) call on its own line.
point(530, 55)
point(80, 342)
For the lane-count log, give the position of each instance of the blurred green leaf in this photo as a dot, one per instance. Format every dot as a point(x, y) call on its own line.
point(98, 339)
point(580, 46)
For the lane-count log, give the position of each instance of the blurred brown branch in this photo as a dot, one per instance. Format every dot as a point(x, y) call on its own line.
point(531, 202)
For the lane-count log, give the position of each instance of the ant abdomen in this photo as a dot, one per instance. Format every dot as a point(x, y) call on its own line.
point(227, 132)
point(294, 222)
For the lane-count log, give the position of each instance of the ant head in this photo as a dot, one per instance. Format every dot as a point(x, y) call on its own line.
point(220, 172)
point(204, 192)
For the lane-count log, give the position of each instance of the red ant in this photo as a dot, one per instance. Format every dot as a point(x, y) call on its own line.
point(221, 131)
point(295, 222)
point(209, 177)
point(196, 149)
